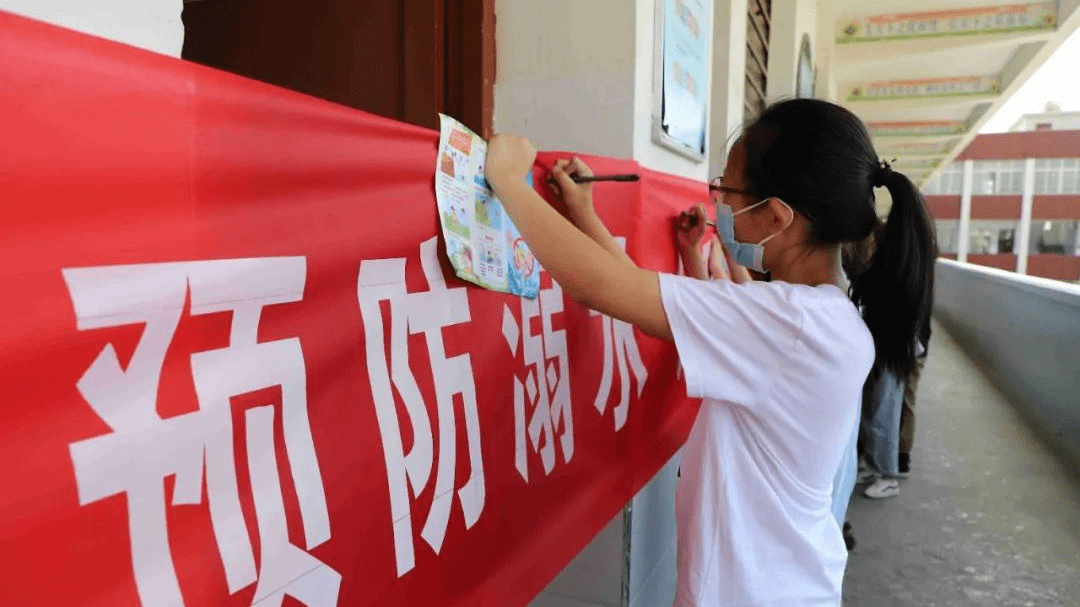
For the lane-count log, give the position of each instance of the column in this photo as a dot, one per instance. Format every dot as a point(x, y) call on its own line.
point(965, 212)
point(1026, 204)
point(728, 79)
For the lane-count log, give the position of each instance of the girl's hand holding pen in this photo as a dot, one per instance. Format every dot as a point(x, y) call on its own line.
point(690, 227)
point(577, 196)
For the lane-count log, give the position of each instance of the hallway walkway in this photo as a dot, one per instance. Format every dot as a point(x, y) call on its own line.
point(988, 517)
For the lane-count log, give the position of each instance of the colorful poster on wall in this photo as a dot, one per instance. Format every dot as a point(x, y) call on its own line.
point(1011, 18)
point(916, 165)
point(918, 148)
point(482, 243)
point(962, 86)
point(916, 128)
point(686, 65)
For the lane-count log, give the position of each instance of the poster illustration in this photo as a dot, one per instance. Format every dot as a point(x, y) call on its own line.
point(685, 66)
point(482, 243)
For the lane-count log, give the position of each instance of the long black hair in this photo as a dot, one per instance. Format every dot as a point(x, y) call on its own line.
point(818, 158)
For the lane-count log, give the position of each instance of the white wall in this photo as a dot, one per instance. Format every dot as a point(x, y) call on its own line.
point(150, 24)
point(575, 75)
point(728, 79)
point(1064, 121)
point(824, 49)
point(790, 22)
point(565, 74)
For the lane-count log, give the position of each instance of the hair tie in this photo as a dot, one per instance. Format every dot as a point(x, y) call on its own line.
point(883, 173)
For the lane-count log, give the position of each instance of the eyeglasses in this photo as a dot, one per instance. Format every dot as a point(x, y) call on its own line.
point(717, 185)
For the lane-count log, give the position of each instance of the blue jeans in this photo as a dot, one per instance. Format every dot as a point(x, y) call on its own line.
point(880, 429)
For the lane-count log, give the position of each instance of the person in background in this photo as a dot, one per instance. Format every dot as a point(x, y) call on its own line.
point(779, 365)
point(887, 430)
point(883, 397)
point(907, 413)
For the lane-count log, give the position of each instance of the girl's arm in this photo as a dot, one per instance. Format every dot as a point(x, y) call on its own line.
point(691, 231)
point(590, 274)
point(694, 262)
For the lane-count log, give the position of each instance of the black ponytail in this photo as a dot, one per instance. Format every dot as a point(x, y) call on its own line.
point(818, 158)
point(896, 291)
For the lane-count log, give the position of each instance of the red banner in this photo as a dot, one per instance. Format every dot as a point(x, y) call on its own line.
point(235, 370)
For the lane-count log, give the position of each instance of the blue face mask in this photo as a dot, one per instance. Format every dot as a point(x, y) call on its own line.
point(750, 256)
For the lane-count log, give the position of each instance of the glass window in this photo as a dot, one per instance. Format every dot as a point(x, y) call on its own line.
point(956, 180)
point(947, 231)
point(1068, 182)
point(1040, 181)
point(950, 181)
point(1016, 168)
point(933, 187)
point(983, 177)
point(992, 237)
point(1070, 171)
point(1053, 176)
point(1058, 237)
point(1006, 182)
point(1057, 176)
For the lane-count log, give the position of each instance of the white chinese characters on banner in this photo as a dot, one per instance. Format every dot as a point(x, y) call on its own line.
point(546, 387)
point(621, 347)
point(144, 448)
point(426, 313)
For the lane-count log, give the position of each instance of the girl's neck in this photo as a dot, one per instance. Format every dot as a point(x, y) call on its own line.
point(813, 266)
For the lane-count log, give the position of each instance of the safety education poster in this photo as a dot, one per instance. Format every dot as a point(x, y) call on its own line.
point(686, 65)
point(482, 243)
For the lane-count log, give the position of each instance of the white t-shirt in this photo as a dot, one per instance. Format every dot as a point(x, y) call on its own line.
point(781, 369)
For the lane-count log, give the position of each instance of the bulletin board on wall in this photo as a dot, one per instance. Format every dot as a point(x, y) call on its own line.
point(681, 76)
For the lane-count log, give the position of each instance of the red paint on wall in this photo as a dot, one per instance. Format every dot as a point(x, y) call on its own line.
point(1056, 206)
point(943, 207)
point(1003, 261)
point(1057, 267)
point(995, 207)
point(1029, 144)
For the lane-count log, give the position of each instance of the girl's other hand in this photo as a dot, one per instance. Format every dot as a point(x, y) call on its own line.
point(577, 196)
point(509, 159)
point(690, 227)
point(718, 265)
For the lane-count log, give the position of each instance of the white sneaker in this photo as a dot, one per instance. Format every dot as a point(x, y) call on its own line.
point(883, 487)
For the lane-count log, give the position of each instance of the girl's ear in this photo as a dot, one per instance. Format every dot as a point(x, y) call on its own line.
point(780, 214)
